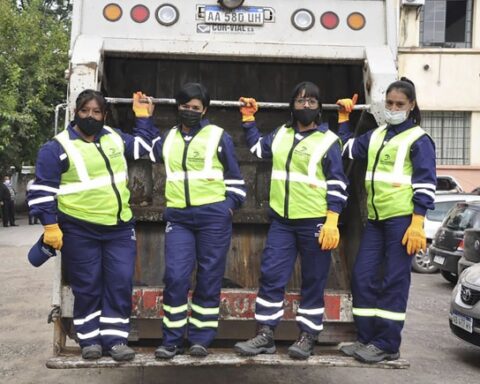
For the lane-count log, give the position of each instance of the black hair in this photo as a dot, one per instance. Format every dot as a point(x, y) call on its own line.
point(407, 87)
point(193, 91)
point(308, 89)
point(89, 94)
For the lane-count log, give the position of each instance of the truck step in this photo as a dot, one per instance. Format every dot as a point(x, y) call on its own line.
point(220, 358)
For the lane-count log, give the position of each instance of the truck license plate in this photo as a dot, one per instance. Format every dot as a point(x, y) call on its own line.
point(464, 322)
point(240, 16)
point(439, 260)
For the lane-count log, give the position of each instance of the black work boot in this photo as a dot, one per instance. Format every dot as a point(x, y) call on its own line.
point(122, 352)
point(164, 352)
point(92, 352)
point(263, 342)
point(372, 354)
point(198, 350)
point(302, 348)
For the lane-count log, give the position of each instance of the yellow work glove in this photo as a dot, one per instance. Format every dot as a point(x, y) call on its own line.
point(329, 235)
point(249, 109)
point(346, 107)
point(142, 105)
point(414, 237)
point(53, 236)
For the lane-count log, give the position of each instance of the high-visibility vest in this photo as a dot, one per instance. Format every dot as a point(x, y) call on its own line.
point(298, 188)
point(194, 172)
point(94, 188)
point(388, 180)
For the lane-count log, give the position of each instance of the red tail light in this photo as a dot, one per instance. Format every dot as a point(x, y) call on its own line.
point(460, 245)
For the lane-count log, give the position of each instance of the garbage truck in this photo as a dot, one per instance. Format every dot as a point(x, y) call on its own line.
point(235, 48)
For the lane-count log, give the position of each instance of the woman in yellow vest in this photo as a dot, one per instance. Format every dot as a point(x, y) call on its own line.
point(400, 183)
point(307, 193)
point(81, 197)
point(203, 187)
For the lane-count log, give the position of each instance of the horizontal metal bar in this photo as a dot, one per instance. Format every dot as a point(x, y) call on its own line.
point(230, 104)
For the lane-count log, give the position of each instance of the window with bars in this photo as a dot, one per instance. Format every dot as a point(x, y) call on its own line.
point(451, 133)
point(446, 23)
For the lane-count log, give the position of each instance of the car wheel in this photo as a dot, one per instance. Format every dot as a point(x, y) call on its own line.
point(422, 263)
point(450, 277)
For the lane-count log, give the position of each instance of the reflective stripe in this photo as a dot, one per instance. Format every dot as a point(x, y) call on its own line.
point(174, 310)
point(269, 304)
point(36, 187)
point(337, 182)
point(203, 324)
point(426, 192)
point(40, 200)
point(92, 184)
point(433, 187)
point(152, 155)
point(269, 317)
point(388, 177)
point(309, 323)
point(234, 182)
point(369, 312)
point(174, 324)
point(75, 155)
point(278, 137)
point(205, 311)
point(238, 191)
point(404, 146)
point(398, 316)
point(87, 318)
point(338, 194)
point(313, 311)
point(113, 332)
point(114, 320)
point(83, 336)
point(348, 147)
point(167, 145)
point(211, 175)
point(257, 149)
point(320, 151)
point(63, 156)
point(212, 145)
point(136, 147)
point(364, 311)
point(298, 177)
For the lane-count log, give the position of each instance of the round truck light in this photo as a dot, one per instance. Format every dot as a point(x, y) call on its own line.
point(167, 14)
point(230, 4)
point(303, 19)
point(139, 13)
point(329, 20)
point(112, 12)
point(356, 21)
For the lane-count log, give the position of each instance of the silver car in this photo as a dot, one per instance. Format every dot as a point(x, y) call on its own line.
point(465, 306)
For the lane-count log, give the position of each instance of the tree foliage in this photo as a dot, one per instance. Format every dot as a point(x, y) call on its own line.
point(34, 37)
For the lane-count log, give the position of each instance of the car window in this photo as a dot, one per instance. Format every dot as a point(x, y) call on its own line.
point(462, 217)
point(440, 211)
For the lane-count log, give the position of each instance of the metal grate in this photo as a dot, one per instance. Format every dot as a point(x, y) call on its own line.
point(451, 133)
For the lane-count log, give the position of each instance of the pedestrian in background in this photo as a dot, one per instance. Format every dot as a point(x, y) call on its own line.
point(8, 200)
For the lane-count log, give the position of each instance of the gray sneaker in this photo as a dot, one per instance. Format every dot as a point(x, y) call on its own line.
point(303, 348)
point(350, 349)
point(92, 352)
point(262, 343)
point(198, 350)
point(122, 352)
point(371, 354)
point(164, 352)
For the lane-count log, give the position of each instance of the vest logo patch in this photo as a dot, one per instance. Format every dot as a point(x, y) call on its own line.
point(113, 153)
point(168, 227)
point(134, 236)
point(195, 157)
point(301, 151)
point(386, 159)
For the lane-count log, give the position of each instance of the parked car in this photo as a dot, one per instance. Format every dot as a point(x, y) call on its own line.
point(448, 184)
point(465, 306)
point(447, 246)
point(471, 251)
point(422, 261)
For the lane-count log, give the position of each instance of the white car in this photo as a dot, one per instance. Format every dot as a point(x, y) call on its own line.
point(433, 220)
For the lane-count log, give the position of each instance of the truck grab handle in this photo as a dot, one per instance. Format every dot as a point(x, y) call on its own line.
point(231, 104)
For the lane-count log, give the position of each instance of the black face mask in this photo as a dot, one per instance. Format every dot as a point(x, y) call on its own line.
point(305, 116)
point(189, 118)
point(88, 125)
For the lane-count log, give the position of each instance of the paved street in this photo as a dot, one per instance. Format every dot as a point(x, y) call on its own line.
point(435, 355)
